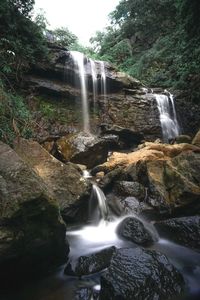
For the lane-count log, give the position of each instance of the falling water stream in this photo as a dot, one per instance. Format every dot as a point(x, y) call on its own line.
point(94, 82)
point(78, 59)
point(168, 118)
point(103, 79)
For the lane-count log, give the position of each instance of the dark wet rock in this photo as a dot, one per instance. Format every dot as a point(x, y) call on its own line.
point(196, 139)
point(121, 206)
point(183, 139)
point(188, 112)
point(140, 274)
point(64, 181)
point(109, 178)
point(32, 233)
point(129, 189)
point(134, 230)
point(83, 148)
point(135, 115)
point(126, 137)
point(83, 294)
point(94, 263)
point(86, 293)
point(51, 87)
point(184, 231)
point(174, 184)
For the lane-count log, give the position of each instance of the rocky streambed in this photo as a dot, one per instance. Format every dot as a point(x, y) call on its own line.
point(147, 245)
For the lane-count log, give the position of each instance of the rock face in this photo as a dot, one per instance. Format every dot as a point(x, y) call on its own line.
point(64, 182)
point(133, 230)
point(140, 274)
point(138, 113)
point(83, 148)
point(126, 104)
point(32, 234)
point(94, 263)
point(184, 231)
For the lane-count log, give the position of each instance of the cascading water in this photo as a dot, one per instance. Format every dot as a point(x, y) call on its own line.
point(101, 198)
point(168, 120)
point(103, 79)
point(78, 59)
point(94, 81)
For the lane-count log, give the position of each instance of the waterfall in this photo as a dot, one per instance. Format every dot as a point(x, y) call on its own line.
point(171, 97)
point(94, 81)
point(103, 79)
point(101, 198)
point(168, 120)
point(78, 59)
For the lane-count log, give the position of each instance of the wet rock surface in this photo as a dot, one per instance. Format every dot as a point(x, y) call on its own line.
point(83, 148)
point(129, 189)
point(126, 137)
point(184, 231)
point(94, 263)
point(64, 182)
point(32, 233)
point(140, 274)
point(134, 230)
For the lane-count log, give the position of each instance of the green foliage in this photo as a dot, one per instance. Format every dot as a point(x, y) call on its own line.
point(157, 41)
point(21, 40)
point(64, 37)
point(15, 118)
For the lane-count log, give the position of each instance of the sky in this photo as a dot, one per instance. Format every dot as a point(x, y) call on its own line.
point(82, 17)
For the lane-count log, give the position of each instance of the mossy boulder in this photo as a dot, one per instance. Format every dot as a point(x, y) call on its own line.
point(32, 233)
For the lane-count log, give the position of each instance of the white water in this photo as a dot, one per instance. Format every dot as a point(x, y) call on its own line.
point(86, 174)
point(94, 81)
point(103, 79)
point(101, 198)
point(78, 59)
point(168, 120)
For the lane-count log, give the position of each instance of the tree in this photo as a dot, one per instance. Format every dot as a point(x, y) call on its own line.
point(64, 37)
point(21, 40)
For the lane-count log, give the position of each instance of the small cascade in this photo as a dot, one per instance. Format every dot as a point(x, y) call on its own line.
point(103, 79)
point(168, 119)
point(78, 59)
point(171, 97)
point(94, 81)
point(101, 198)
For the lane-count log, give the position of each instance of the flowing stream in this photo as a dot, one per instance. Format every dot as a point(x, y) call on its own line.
point(95, 237)
point(168, 118)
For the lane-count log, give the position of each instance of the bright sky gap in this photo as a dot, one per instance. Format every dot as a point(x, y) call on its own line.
point(81, 17)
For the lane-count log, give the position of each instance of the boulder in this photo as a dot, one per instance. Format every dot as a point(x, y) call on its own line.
point(93, 263)
point(184, 231)
point(196, 139)
point(64, 181)
point(32, 233)
point(140, 274)
point(175, 183)
point(134, 230)
point(83, 148)
point(129, 189)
